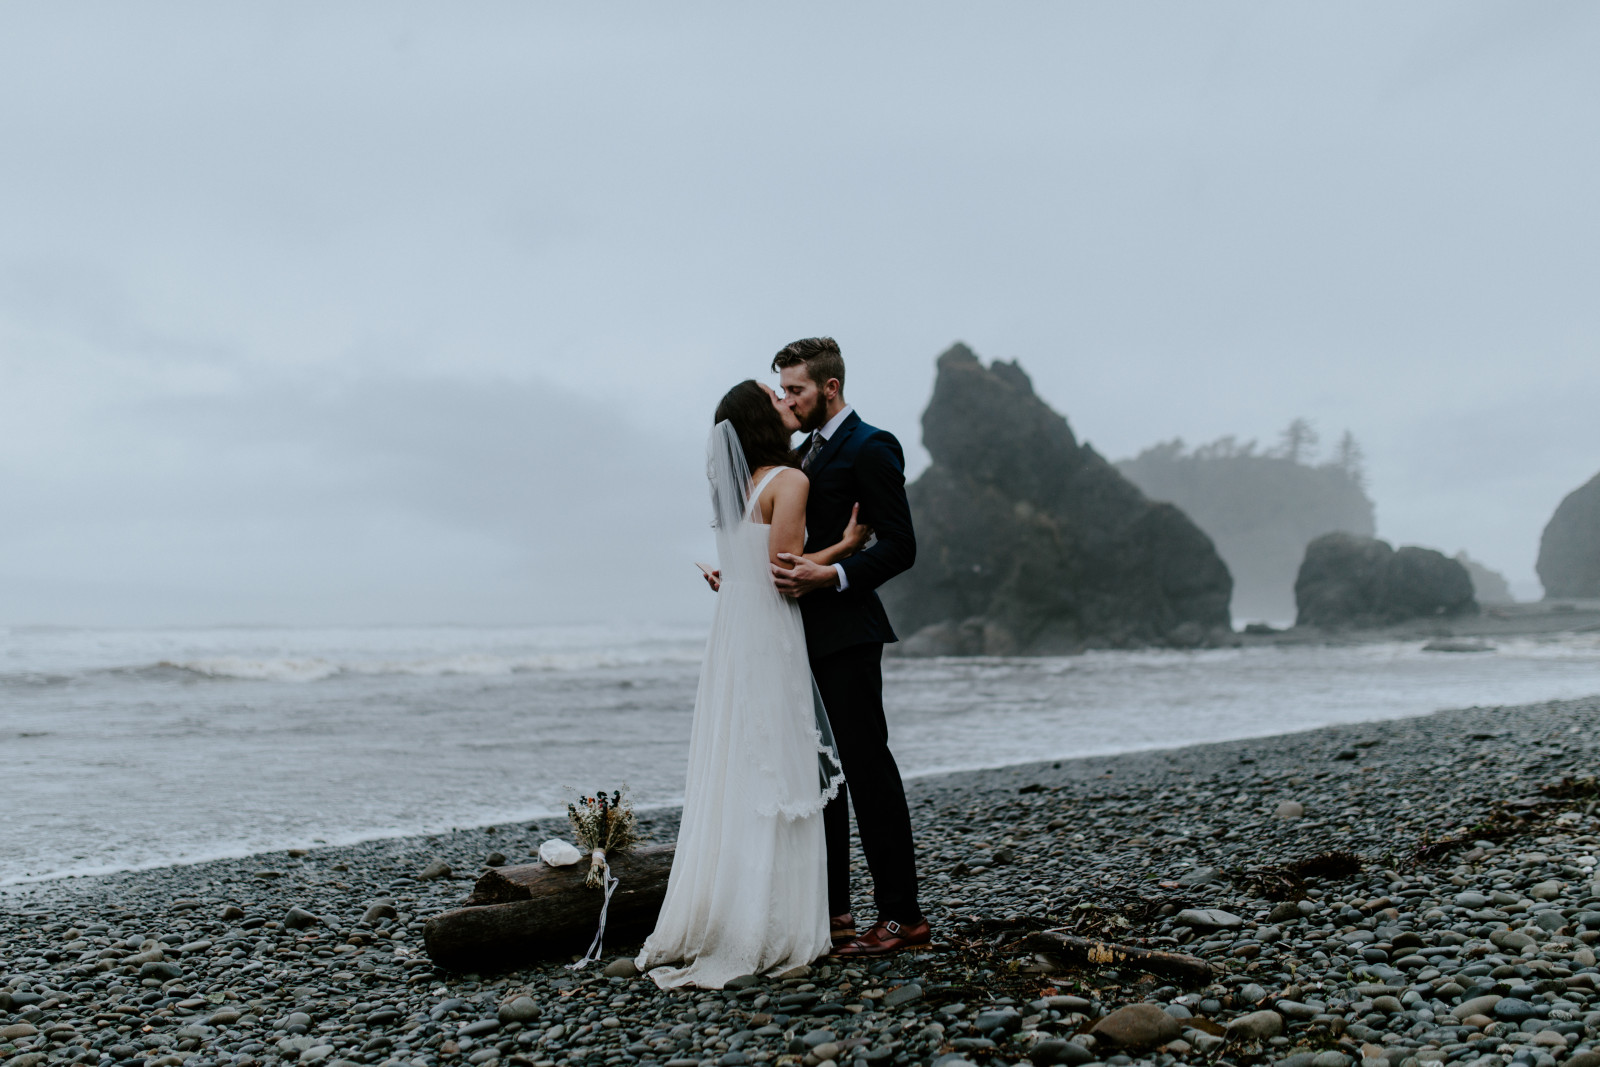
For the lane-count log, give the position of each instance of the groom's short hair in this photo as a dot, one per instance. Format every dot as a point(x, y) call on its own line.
point(820, 355)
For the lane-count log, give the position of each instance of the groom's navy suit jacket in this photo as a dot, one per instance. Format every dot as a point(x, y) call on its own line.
point(858, 464)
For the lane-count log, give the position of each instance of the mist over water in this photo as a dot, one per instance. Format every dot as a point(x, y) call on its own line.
point(408, 316)
point(128, 748)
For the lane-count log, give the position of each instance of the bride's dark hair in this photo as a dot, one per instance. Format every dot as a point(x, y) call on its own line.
point(762, 435)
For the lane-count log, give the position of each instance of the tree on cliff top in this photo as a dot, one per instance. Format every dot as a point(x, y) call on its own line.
point(1261, 509)
point(1299, 440)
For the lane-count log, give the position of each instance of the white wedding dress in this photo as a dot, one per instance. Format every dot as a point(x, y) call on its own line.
point(748, 889)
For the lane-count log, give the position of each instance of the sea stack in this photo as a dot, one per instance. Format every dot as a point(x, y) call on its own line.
point(1349, 581)
point(1031, 543)
point(1569, 551)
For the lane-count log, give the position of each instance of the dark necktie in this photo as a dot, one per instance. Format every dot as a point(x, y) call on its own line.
point(817, 441)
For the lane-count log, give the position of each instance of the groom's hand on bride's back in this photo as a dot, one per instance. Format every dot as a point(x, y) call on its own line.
point(799, 576)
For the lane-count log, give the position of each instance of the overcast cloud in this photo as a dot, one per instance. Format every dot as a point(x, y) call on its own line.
point(401, 313)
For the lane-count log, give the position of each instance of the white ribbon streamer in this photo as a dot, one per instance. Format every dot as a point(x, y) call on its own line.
point(593, 955)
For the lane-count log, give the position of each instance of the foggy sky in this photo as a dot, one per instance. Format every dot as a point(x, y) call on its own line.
point(388, 313)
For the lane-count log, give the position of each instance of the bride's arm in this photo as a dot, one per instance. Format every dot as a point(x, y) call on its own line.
point(788, 533)
point(855, 535)
point(788, 519)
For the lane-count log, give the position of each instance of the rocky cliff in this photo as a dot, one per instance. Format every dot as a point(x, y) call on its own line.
point(1260, 508)
point(1350, 581)
point(1488, 586)
point(1569, 551)
point(1029, 542)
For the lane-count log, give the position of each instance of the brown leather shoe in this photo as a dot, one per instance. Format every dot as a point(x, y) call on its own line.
point(842, 928)
point(886, 938)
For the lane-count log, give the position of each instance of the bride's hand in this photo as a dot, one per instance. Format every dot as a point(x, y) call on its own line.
point(856, 534)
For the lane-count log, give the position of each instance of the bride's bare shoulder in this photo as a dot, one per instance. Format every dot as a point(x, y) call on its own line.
point(789, 487)
point(793, 480)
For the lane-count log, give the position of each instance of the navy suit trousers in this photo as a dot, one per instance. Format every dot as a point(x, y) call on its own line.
point(851, 683)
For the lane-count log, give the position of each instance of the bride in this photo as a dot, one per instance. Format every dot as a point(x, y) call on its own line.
point(748, 889)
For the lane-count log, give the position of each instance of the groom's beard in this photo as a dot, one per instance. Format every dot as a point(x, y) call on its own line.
point(813, 420)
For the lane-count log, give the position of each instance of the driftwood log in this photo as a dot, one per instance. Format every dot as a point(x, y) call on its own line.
point(1085, 952)
point(529, 911)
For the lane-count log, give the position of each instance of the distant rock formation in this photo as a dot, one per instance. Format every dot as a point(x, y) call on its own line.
point(1488, 586)
point(1350, 581)
point(1569, 551)
point(1261, 509)
point(1031, 543)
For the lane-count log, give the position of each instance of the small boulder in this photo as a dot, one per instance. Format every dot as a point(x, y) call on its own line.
point(300, 918)
point(522, 1009)
point(1289, 809)
point(1476, 1006)
point(436, 868)
point(1510, 940)
point(1200, 876)
point(1066, 1002)
point(902, 995)
point(1294, 1009)
point(1288, 911)
point(1514, 1009)
point(1550, 920)
point(622, 967)
point(1053, 1050)
point(161, 971)
point(1000, 1018)
point(494, 859)
point(1209, 919)
point(1256, 1026)
point(1137, 1027)
point(379, 910)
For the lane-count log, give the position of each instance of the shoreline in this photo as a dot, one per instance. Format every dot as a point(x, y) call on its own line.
point(1534, 618)
point(236, 843)
point(1122, 845)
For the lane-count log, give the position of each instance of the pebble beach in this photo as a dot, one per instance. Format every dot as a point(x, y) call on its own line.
point(1390, 894)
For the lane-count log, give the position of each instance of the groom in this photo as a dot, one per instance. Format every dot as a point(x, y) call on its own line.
point(850, 462)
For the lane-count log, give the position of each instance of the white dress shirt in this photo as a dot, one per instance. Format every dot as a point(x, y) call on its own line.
point(826, 433)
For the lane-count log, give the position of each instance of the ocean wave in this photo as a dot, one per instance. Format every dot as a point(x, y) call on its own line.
point(315, 669)
point(34, 679)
